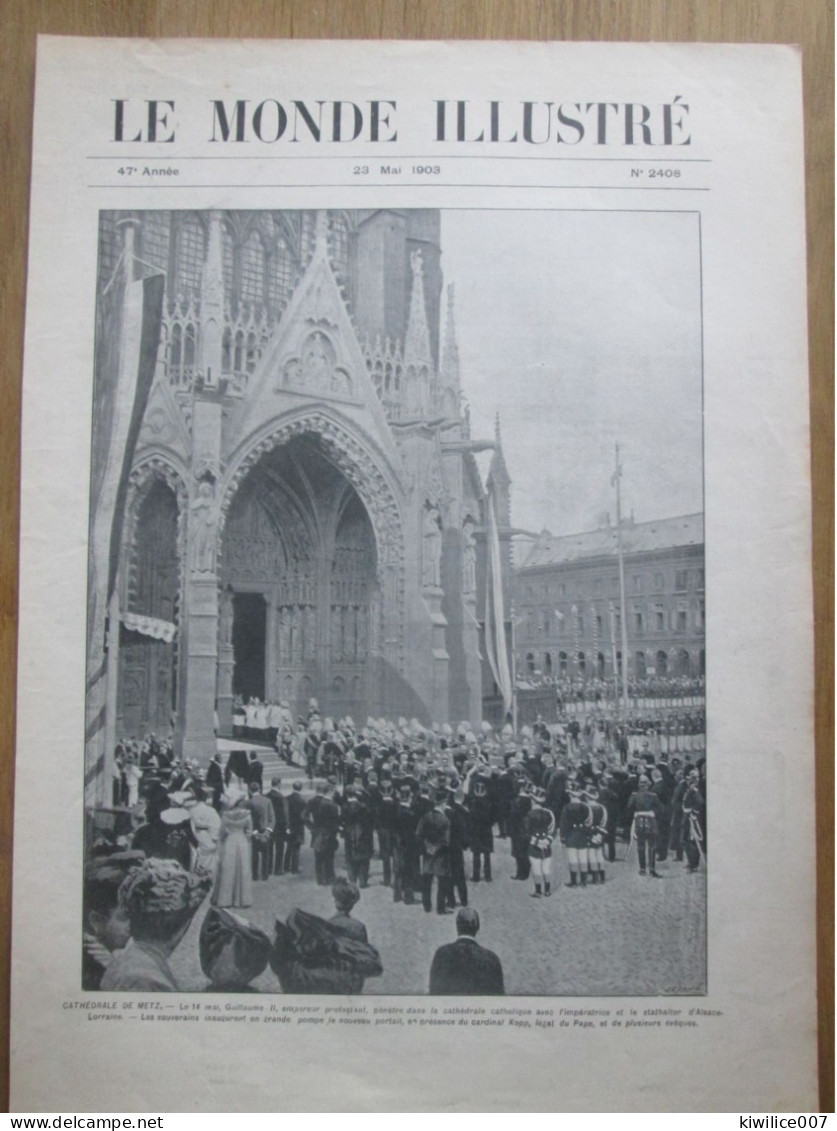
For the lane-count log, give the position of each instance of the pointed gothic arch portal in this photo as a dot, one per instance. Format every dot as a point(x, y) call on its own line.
point(147, 682)
point(298, 555)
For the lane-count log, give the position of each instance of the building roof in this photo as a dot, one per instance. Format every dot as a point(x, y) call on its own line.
point(637, 538)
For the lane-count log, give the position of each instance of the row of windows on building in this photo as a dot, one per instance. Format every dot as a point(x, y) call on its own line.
point(660, 581)
point(545, 623)
point(679, 663)
point(260, 261)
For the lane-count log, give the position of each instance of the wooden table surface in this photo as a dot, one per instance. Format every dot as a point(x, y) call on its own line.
point(806, 22)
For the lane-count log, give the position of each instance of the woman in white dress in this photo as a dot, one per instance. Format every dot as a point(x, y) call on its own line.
point(234, 879)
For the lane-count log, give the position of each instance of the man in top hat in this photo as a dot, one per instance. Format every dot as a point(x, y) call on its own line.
point(433, 836)
point(464, 967)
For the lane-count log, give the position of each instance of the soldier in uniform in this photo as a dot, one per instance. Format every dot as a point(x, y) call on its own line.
point(644, 806)
point(693, 821)
point(481, 816)
point(596, 835)
point(574, 831)
point(539, 825)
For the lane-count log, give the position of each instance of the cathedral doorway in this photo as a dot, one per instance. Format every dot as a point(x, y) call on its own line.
point(299, 556)
point(249, 636)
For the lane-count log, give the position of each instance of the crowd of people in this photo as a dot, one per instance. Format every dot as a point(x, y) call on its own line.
point(427, 803)
point(653, 691)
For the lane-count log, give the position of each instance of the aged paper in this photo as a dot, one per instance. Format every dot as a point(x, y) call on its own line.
point(415, 500)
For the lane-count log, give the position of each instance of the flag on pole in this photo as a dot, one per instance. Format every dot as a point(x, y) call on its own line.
point(495, 625)
point(595, 623)
point(576, 636)
point(129, 317)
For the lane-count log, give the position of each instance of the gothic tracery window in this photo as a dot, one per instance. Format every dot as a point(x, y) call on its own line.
point(190, 255)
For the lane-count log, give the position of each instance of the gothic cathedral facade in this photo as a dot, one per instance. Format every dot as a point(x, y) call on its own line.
point(305, 516)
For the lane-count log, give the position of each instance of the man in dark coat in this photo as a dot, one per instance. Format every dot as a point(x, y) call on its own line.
point(464, 967)
point(215, 781)
point(261, 841)
point(404, 878)
point(385, 813)
point(358, 827)
point(280, 826)
point(295, 806)
point(323, 818)
point(433, 835)
point(460, 838)
point(255, 771)
point(519, 837)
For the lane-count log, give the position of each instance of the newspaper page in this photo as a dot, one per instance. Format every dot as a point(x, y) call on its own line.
point(415, 628)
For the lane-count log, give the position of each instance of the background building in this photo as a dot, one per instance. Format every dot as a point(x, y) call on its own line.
point(568, 608)
point(303, 516)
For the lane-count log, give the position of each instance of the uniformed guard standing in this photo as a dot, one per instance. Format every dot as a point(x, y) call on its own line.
point(574, 832)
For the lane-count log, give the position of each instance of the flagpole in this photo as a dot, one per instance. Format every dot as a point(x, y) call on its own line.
point(513, 671)
point(617, 476)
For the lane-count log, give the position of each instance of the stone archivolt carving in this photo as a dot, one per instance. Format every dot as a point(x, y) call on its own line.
point(151, 470)
point(361, 469)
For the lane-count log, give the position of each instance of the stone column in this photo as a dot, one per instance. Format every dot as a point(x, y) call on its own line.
point(226, 664)
point(200, 618)
point(197, 713)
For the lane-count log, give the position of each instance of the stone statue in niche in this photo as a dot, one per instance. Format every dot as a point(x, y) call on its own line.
point(432, 548)
point(362, 629)
point(317, 361)
point(203, 523)
point(309, 648)
point(336, 632)
point(225, 616)
point(284, 634)
point(349, 633)
point(296, 634)
point(469, 558)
